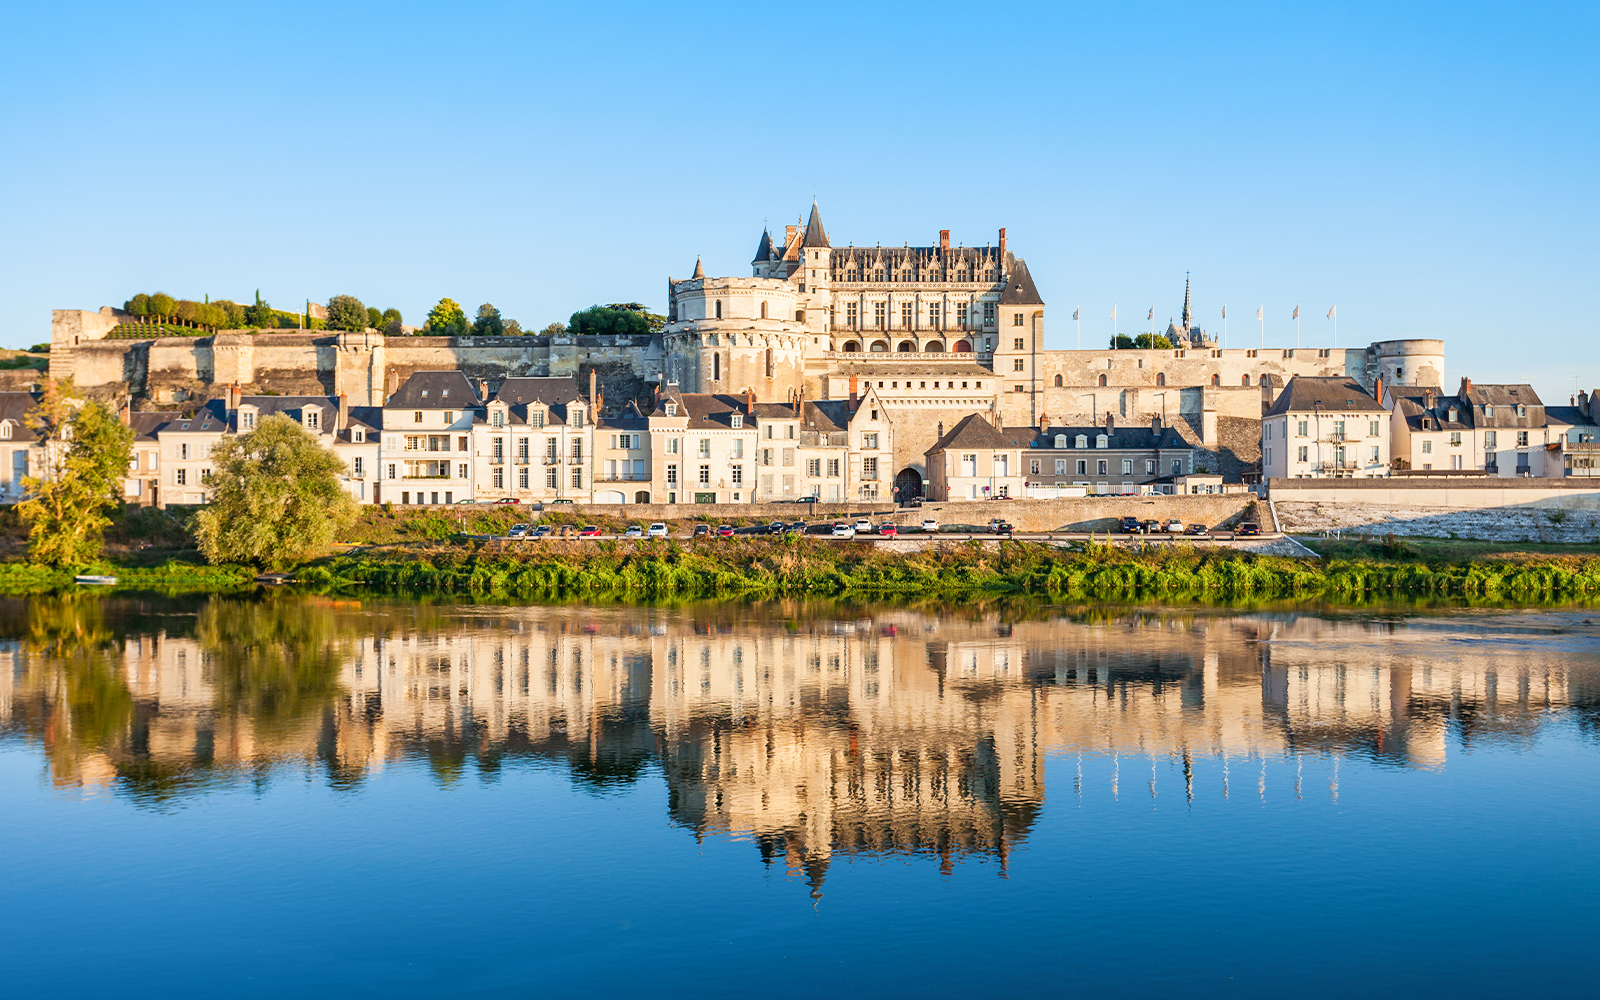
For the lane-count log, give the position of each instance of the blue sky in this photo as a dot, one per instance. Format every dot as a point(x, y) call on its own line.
point(1429, 167)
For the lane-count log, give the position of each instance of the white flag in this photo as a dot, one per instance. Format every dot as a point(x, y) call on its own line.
point(1224, 311)
point(1113, 312)
point(1074, 314)
point(1152, 313)
point(1296, 311)
point(1334, 311)
point(1258, 311)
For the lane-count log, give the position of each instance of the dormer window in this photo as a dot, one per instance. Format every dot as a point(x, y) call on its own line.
point(499, 418)
point(1061, 440)
point(247, 419)
point(672, 409)
point(738, 421)
point(537, 416)
point(442, 392)
point(1452, 414)
point(424, 394)
point(1488, 410)
point(313, 420)
point(358, 435)
point(5, 430)
point(1082, 441)
point(1522, 411)
point(1101, 441)
point(577, 418)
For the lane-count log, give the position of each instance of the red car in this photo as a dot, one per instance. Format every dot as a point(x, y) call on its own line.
point(589, 531)
point(888, 530)
point(508, 500)
point(726, 531)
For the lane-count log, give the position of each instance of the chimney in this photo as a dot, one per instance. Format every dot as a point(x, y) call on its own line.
point(852, 394)
point(594, 385)
point(1002, 247)
point(234, 395)
point(1427, 399)
point(1466, 387)
point(749, 401)
point(391, 383)
point(1377, 390)
point(125, 414)
point(344, 412)
point(1111, 422)
point(1155, 423)
point(944, 239)
point(483, 389)
point(788, 235)
point(1583, 403)
point(1044, 422)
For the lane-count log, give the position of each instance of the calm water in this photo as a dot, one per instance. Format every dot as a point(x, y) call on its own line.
point(297, 797)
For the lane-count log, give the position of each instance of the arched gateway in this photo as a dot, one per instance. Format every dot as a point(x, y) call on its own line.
point(908, 485)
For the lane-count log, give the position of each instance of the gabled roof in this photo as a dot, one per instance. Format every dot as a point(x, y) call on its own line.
point(294, 406)
point(147, 423)
point(1306, 393)
point(710, 410)
point(438, 390)
point(1141, 437)
point(15, 407)
point(815, 235)
point(1507, 394)
point(972, 432)
point(211, 418)
point(1020, 289)
point(1569, 416)
point(828, 416)
point(522, 390)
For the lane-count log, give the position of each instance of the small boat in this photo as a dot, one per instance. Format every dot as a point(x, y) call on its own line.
point(91, 580)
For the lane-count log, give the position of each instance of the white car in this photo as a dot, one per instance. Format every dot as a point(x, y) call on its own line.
point(658, 530)
point(634, 531)
point(862, 524)
point(929, 526)
point(842, 530)
point(518, 531)
point(1175, 526)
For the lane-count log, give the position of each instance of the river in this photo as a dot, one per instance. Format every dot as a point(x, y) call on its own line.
point(296, 796)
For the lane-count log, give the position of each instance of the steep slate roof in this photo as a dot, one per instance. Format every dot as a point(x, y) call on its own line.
point(775, 411)
point(1509, 394)
point(1020, 289)
point(816, 236)
point(561, 389)
point(710, 410)
point(369, 417)
point(439, 390)
point(1570, 416)
point(1342, 395)
point(699, 270)
point(1136, 438)
point(211, 418)
point(764, 250)
point(147, 423)
point(972, 432)
point(829, 416)
point(15, 406)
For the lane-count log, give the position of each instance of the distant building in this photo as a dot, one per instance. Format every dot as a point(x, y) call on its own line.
point(1325, 428)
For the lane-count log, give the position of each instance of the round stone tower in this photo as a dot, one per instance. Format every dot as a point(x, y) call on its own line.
point(734, 335)
point(1405, 362)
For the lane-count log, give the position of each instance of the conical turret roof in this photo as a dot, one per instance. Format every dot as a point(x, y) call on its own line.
point(764, 249)
point(699, 271)
point(816, 236)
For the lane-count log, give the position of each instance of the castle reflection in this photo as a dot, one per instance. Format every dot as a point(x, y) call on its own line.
point(811, 732)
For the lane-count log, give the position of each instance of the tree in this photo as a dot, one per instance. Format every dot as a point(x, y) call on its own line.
point(390, 316)
point(1121, 342)
point(392, 327)
point(488, 323)
point(553, 330)
point(85, 457)
point(616, 320)
point(345, 312)
point(139, 305)
point(1146, 341)
point(447, 319)
point(375, 317)
point(260, 314)
point(162, 304)
point(513, 328)
point(276, 497)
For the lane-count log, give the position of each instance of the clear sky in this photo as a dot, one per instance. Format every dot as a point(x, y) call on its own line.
point(1429, 167)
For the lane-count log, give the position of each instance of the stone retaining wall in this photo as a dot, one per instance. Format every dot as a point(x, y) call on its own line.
point(1499, 524)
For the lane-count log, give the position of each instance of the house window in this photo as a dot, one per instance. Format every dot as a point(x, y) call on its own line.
point(577, 479)
point(1016, 365)
point(355, 467)
point(737, 421)
point(181, 477)
point(1102, 380)
point(1305, 453)
point(1149, 466)
point(905, 315)
point(499, 418)
point(672, 475)
point(499, 479)
point(1372, 455)
point(833, 468)
point(1490, 440)
point(1016, 345)
point(1127, 467)
point(1016, 319)
point(461, 471)
point(1083, 467)
point(814, 468)
point(183, 450)
point(1427, 447)
point(522, 479)
point(416, 415)
point(877, 314)
point(705, 447)
point(737, 476)
point(1177, 467)
point(1101, 466)
point(1033, 466)
point(705, 475)
point(1372, 428)
point(1301, 428)
point(850, 315)
point(248, 420)
point(672, 409)
point(869, 442)
point(1455, 439)
point(1522, 439)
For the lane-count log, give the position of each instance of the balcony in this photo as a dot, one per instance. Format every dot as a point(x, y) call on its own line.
point(622, 477)
point(552, 460)
point(522, 460)
point(1587, 447)
point(1337, 466)
point(574, 459)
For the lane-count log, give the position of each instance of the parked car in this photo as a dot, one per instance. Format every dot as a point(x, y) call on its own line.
point(1175, 526)
point(862, 524)
point(1195, 529)
point(539, 531)
point(1128, 525)
point(518, 531)
point(1149, 527)
point(888, 530)
point(466, 500)
point(929, 526)
point(1248, 528)
point(725, 531)
point(842, 530)
point(508, 500)
point(634, 531)
point(775, 528)
point(701, 530)
point(589, 531)
point(565, 531)
point(552, 501)
point(658, 530)
point(797, 528)
point(1000, 527)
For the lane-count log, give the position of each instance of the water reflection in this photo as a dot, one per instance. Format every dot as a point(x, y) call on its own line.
point(811, 732)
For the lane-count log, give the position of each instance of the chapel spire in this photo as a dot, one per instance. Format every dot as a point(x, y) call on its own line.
point(1185, 301)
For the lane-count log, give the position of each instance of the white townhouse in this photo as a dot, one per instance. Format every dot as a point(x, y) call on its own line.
point(1325, 428)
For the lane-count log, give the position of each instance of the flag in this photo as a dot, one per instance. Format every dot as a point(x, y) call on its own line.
point(1074, 314)
point(1113, 312)
point(1334, 311)
point(1296, 312)
point(1224, 311)
point(1152, 313)
point(1258, 311)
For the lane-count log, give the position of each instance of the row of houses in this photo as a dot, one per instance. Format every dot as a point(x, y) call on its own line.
point(1334, 428)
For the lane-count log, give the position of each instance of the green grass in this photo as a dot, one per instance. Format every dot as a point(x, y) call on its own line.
point(1402, 548)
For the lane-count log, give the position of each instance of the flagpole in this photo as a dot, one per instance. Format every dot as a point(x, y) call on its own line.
point(1078, 322)
point(1261, 314)
point(1224, 326)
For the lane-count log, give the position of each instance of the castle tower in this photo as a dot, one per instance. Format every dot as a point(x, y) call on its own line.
point(735, 335)
point(814, 277)
point(766, 256)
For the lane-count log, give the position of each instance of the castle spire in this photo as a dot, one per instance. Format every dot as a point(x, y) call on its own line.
point(1185, 301)
point(699, 271)
point(764, 250)
point(816, 236)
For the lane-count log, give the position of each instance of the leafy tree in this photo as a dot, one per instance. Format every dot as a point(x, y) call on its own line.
point(553, 330)
point(1157, 341)
point(616, 320)
point(139, 305)
point(162, 304)
point(260, 314)
point(187, 311)
point(345, 312)
point(488, 323)
point(39, 349)
point(392, 327)
point(277, 497)
point(375, 317)
point(85, 451)
point(513, 328)
point(1121, 342)
point(447, 319)
point(390, 316)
